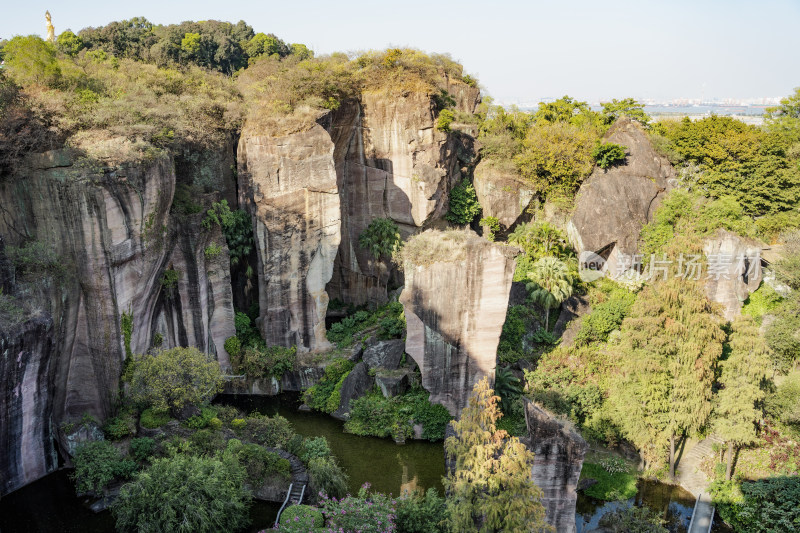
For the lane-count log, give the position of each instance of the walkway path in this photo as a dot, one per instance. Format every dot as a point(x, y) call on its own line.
point(299, 484)
point(703, 515)
point(695, 481)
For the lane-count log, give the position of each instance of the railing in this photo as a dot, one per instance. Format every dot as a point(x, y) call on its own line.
point(694, 515)
point(288, 495)
point(302, 492)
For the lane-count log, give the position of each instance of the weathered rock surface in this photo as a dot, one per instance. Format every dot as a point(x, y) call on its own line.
point(557, 465)
point(357, 383)
point(568, 323)
point(501, 192)
point(734, 264)
point(385, 354)
point(392, 384)
point(612, 205)
point(454, 314)
point(110, 227)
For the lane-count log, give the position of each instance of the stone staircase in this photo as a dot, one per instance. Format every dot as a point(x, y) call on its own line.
point(689, 475)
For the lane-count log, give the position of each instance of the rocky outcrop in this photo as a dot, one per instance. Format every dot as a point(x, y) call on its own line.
point(384, 354)
point(559, 451)
point(569, 318)
point(734, 270)
point(455, 309)
point(612, 205)
point(357, 383)
point(501, 192)
point(109, 227)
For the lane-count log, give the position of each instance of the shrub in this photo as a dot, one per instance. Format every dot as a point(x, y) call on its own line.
point(376, 416)
point(314, 447)
point(172, 379)
point(142, 448)
point(238, 424)
point(32, 61)
point(783, 405)
point(260, 464)
point(519, 320)
point(272, 432)
point(327, 477)
point(633, 519)
point(202, 420)
point(97, 463)
point(761, 302)
point(184, 493)
point(446, 117)
point(260, 362)
point(318, 395)
point(120, 426)
point(381, 238)
point(464, 206)
point(605, 317)
point(237, 226)
point(153, 418)
point(418, 513)
point(233, 346)
point(301, 519)
point(608, 154)
point(367, 512)
point(169, 281)
point(207, 442)
point(766, 506)
point(492, 225)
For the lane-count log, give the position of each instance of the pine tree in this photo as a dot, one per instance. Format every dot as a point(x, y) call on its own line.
point(744, 375)
point(490, 488)
point(665, 363)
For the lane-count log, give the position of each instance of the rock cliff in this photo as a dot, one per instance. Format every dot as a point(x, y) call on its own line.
point(109, 227)
point(735, 270)
point(501, 192)
point(455, 309)
point(557, 464)
point(612, 205)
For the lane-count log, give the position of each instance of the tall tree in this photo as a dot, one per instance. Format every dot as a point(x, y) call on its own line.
point(550, 285)
point(744, 374)
point(490, 488)
point(665, 364)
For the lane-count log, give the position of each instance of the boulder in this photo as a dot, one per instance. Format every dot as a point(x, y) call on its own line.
point(455, 309)
point(557, 465)
point(568, 323)
point(392, 384)
point(501, 192)
point(734, 269)
point(357, 383)
point(384, 354)
point(612, 205)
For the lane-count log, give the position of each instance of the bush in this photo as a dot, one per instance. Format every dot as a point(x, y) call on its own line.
point(446, 117)
point(464, 206)
point(389, 318)
point(327, 477)
point(417, 513)
point(520, 319)
point(120, 426)
point(605, 317)
point(314, 447)
point(633, 520)
point(172, 379)
point(185, 493)
point(376, 416)
point(142, 448)
point(233, 346)
point(317, 397)
point(608, 154)
point(207, 442)
point(783, 405)
point(761, 302)
point(32, 61)
point(272, 432)
point(202, 420)
point(98, 463)
point(492, 225)
point(367, 512)
point(261, 362)
point(260, 464)
point(766, 506)
point(301, 519)
point(381, 238)
point(153, 418)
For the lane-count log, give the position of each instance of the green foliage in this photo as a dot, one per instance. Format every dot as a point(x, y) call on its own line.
point(202, 420)
point(765, 506)
point(501, 132)
point(609, 486)
point(212, 251)
point(464, 206)
point(120, 426)
point(446, 117)
point(260, 362)
point(421, 513)
point(36, 259)
point(185, 494)
point(539, 239)
point(376, 416)
point(490, 485)
point(259, 463)
point(272, 432)
point(233, 346)
point(142, 448)
point(492, 225)
point(606, 316)
point(314, 447)
point(520, 319)
point(68, 43)
point(172, 379)
point(237, 227)
point(169, 281)
point(153, 418)
point(507, 387)
point(317, 396)
point(783, 405)
point(97, 463)
point(11, 311)
point(367, 512)
point(301, 519)
point(381, 238)
point(608, 154)
point(627, 107)
point(246, 331)
point(327, 476)
point(32, 61)
point(633, 520)
point(126, 325)
point(390, 319)
point(550, 284)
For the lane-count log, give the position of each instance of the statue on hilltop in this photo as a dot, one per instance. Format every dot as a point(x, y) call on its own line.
point(51, 31)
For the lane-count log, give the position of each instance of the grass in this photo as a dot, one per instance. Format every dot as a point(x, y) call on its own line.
point(434, 246)
point(617, 486)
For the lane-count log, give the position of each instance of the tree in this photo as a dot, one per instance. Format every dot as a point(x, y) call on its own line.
point(490, 487)
point(665, 365)
point(381, 238)
point(173, 379)
point(507, 386)
point(550, 285)
point(464, 206)
point(627, 107)
point(607, 154)
point(32, 61)
point(743, 378)
point(69, 43)
point(185, 494)
point(539, 238)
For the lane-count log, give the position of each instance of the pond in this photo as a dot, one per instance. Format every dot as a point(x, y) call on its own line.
point(50, 505)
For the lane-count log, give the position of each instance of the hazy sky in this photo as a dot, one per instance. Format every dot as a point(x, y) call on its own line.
point(589, 49)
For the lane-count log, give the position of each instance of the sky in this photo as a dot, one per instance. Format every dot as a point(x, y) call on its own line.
point(519, 50)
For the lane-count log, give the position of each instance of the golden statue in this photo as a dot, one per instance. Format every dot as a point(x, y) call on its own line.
point(51, 31)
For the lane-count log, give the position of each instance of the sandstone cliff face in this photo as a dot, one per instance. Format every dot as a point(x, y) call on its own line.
point(111, 228)
point(612, 205)
point(736, 265)
point(557, 465)
point(454, 314)
point(502, 193)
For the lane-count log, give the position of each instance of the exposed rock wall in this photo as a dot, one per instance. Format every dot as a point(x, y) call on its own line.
point(501, 192)
point(557, 464)
point(454, 313)
point(110, 226)
point(735, 270)
point(612, 205)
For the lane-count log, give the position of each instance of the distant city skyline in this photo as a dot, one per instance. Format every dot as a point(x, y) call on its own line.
point(520, 51)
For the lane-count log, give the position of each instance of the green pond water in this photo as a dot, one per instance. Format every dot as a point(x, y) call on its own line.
point(50, 505)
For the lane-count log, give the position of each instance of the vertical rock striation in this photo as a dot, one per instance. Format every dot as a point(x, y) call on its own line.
point(502, 193)
point(455, 309)
point(557, 465)
point(734, 264)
